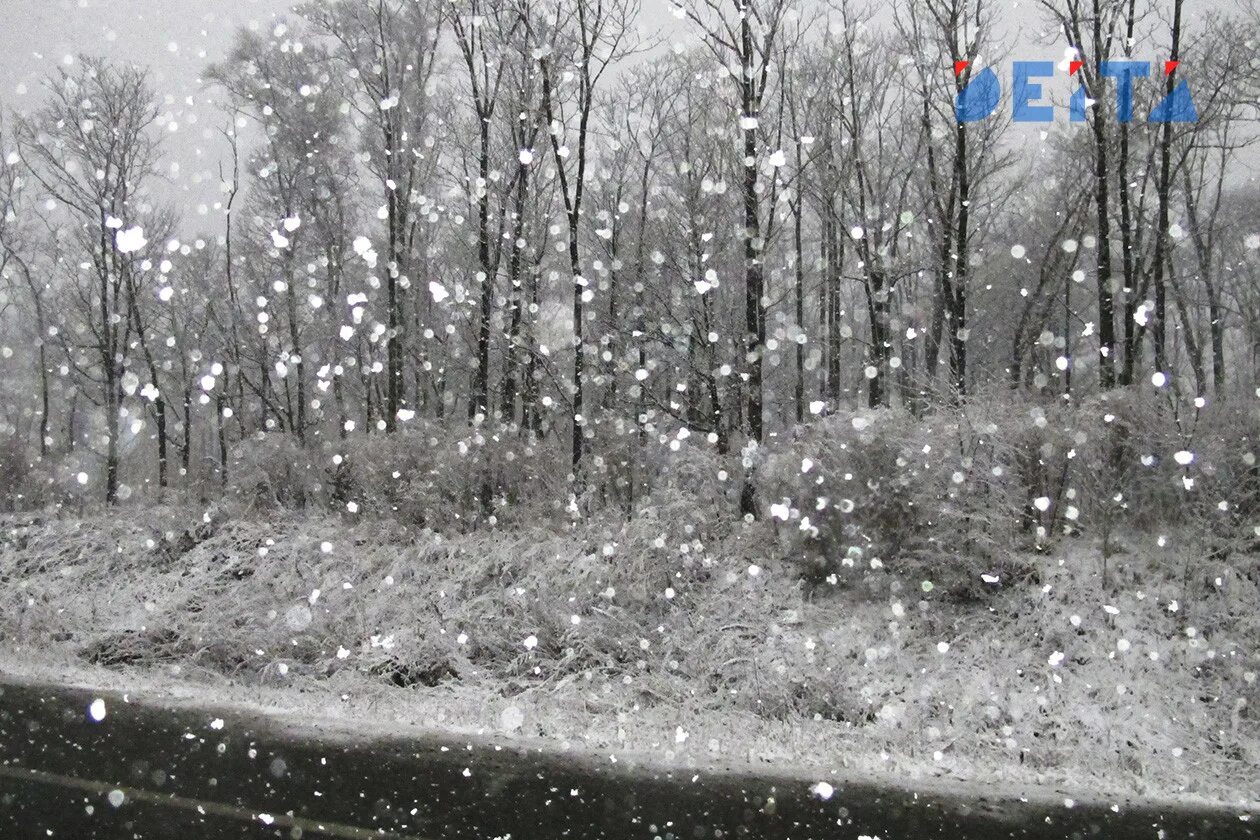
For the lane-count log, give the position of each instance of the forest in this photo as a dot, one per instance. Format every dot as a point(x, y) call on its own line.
point(719, 328)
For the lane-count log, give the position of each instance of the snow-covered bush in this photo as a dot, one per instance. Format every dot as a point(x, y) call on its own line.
point(26, 483)
point(957, 495)
point(446, 478)
point(689, 483)
point(275, 470)
point(1136, 460)
point(616, 623)
point(427, 476)
point(31, 482)
point(936, 498)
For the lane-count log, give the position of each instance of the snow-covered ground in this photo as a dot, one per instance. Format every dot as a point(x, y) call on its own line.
point(816, 761)
point(729, 665)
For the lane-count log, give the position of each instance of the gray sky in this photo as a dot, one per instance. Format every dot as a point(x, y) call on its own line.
point(178, 38)
point(175, 38)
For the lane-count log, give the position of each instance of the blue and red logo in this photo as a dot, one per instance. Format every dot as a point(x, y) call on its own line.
point(981, 96)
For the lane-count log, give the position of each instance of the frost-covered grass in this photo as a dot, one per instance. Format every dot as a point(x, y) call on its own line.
point(703, 646)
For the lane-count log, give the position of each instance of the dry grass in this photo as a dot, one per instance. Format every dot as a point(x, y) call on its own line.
point(673, 633)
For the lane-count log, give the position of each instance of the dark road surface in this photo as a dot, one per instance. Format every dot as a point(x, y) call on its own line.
point(147, 770)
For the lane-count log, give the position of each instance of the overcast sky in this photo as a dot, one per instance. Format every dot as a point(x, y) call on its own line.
point(178, 38)
point(175, 38)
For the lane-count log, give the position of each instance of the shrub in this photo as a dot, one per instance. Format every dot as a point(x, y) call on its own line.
point(275, 470)
point(32, 482)
point(1148, 460)
point(959, 493)
point(425, 476)
point(870, 489)
point(691, 484)
point(22, 488)
point(448, 478)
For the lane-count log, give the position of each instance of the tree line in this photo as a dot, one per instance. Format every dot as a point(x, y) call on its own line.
point(550, 220)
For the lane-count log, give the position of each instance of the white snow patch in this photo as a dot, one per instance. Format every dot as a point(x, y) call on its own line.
point(96, 711)
point(130, 240)
point(511, 718)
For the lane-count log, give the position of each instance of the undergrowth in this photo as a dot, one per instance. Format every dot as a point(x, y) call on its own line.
point(1152, 675)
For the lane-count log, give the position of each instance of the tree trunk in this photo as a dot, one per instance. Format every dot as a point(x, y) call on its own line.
point(186, 454)
point(798, 210)
point(754, 279)
point(1160, 335)
point(479, 404)
point(1106, 303)
point(220, 404)
point(159, 406)
point(393, 346)
point(43, 394)
point(510, 364)
point(958, 300)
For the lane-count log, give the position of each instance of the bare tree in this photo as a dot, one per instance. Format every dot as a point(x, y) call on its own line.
point(1163, 190)
point(91, 151)
point(300, 175)
point(525, 102)
point(483, 35)
point(884, 133)
point(1225, 98)
point(391, 49)
point(944, 35)
point(18, 246)
point(575, 45)
point(744, 37)
point(1090, 28)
